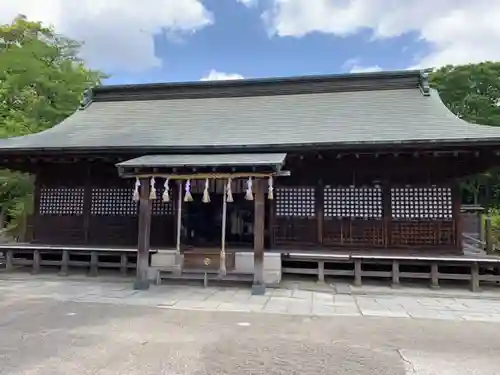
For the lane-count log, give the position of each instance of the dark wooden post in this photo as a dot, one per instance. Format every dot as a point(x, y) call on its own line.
point(141, 280)
point(123, 264)
point(9, 260)
point(94, 264)
point(488, 234)
point(258, 287)
point(36, 261)
point(87, 204)
point(319, 195)
point(395, 274)
point(64, 263)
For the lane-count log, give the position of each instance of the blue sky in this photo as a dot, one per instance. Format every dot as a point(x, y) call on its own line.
point(187, 40)
point(238, 42)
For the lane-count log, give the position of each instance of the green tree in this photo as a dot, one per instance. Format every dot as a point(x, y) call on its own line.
point(472, 92)
point(42, 81)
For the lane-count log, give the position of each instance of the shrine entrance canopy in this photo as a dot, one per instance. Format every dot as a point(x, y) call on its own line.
point(206, 167)
point(196, 164)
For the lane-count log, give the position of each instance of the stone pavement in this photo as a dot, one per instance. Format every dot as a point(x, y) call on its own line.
point(280, 301)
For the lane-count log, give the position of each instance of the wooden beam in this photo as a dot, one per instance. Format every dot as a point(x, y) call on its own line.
point(203, 176)
point(142, 281)
point(258, 287)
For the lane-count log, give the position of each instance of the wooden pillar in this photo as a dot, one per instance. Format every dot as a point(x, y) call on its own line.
point(64, 263)
point(258, 287)
point(222, 267)
point(178, 229)
point(474, 277)
point(37, 259)
point(141, 280)
point(319, 197)
point(94, 263)
point(387, 214)
point(434, 275)
point(124, 264)
point(321, 271)
point(357, 272)
point(9, 260)
point(488, 234)
point(87, 205)
point(395, 274)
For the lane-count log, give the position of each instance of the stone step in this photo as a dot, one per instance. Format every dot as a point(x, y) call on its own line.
point(194, 275)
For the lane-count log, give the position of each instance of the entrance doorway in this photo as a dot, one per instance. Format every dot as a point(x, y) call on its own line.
point(202, 222)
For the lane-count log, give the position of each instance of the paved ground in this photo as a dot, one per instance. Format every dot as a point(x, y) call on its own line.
point(281, 301)
point(46, 336)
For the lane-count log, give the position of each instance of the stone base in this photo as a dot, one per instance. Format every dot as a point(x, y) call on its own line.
point(272, 266)
point(166, 258)
point(258, 290)
point(141, 284)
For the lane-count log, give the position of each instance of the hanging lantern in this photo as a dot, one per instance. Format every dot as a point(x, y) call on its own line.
point(270, 189)
point(187, 196)
point(135, 196)
point(249, 193)
point(152, 192)
point(206, 195)
point(229, 192)
point(166, 192)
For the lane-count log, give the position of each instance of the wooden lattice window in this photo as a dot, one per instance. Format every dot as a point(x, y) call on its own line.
point(352, 202)
point(113, 202)
point(119, 202)
point(295, 202)
point(160, 208)
point(428, 203)
point(61, 201)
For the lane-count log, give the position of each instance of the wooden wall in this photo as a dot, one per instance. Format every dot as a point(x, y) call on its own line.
point(354, 201)
point(88, 204)
point(363, 203)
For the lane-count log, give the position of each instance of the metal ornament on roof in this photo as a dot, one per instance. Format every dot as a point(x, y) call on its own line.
point(270, 189)
point(166, 192)
point(249, 193)
point(152, 192)
point(135, 195)
point(187, 196)
point(229, 192)
point(206, 195)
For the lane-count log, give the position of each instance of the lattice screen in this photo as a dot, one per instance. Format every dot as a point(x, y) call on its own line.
point(113, 202)
point(411, 203)
point(295, 202)
point(160, 208)
point(352, 202)
point(119, 202)
point(61, 201)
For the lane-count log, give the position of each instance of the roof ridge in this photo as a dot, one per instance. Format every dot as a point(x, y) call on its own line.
point(261, 87)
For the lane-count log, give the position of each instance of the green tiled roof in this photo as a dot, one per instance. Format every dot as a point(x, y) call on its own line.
point(205, 160)
point(335, 111)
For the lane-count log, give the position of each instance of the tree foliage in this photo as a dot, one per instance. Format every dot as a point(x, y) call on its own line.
point(472, 92)
point(42, 81)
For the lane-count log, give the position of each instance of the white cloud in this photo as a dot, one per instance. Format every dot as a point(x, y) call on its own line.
point(214, 75)
point(458, 31)
point(118, 34)
point(355, 66)
point(248, 3)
